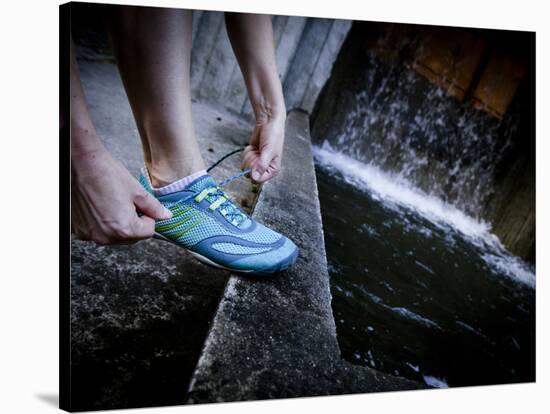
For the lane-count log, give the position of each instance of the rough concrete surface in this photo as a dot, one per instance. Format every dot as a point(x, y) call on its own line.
point(275, 337)
point(140, 313)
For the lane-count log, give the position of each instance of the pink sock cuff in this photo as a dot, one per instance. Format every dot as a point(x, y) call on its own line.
point(178, 185)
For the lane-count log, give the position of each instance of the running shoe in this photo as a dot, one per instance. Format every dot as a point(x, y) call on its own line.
point(217, 232)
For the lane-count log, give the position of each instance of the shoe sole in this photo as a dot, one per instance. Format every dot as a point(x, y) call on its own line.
point(282, 266)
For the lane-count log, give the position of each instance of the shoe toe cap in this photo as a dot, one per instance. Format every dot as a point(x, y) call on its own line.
point(273, 261)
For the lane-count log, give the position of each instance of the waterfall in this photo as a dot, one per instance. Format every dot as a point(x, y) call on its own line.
point(404, 125)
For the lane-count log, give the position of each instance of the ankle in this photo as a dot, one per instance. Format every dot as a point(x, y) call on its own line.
point(178, 185)
point(162, 177)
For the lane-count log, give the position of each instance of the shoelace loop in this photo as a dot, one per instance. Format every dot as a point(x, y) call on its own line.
point(219, 198)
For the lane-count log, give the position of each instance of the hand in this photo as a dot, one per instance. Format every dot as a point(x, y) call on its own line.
point(104, 201)
point(265, 152)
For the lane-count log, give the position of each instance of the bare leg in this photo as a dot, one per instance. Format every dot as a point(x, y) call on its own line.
point(251, 36)
point(153, 50)
point(104, 196)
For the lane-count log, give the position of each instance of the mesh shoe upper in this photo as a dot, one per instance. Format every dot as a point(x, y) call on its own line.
point(223, 234)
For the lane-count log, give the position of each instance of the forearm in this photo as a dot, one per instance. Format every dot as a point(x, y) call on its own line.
point(251, 37)
point(83, 135)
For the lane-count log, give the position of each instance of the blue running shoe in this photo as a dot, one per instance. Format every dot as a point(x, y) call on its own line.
point(214, 230)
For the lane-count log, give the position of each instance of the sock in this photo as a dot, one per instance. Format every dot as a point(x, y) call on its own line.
point(178, 185)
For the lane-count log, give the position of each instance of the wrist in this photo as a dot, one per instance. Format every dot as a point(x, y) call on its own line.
point(84, 143)
point(269, 108)
point(87, 158)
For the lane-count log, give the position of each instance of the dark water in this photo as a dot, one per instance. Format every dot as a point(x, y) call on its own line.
point(419, 298)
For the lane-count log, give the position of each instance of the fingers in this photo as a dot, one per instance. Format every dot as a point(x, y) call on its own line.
point(262, 165)
point(267, 175)
point(150, 206)
point(142, 227)
point(127, 231)
point(249, 157)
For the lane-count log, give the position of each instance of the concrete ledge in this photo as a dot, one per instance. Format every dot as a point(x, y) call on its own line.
point(140, 313)
point(276, 337)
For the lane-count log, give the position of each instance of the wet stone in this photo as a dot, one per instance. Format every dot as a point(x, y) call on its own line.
point(275, 337)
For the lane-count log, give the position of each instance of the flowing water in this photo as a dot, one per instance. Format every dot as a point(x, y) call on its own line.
point(420, 288)
point(402, 123)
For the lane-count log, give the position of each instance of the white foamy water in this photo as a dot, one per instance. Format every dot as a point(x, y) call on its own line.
point(395, 191)
point(435, 382)
point(512, 267)
point(409, 314)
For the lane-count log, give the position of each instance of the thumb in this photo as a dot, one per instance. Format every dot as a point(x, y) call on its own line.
point(262, 164)
point(151, 207)
point(143, 227)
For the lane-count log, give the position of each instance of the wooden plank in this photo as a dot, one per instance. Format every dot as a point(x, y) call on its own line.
point(197, 16)
point(203, 46)
point(449, 58)
point(220, 67)
point(290, 38)
point(323, 66)
point(498, 85)
point(311, 43)
point(279, 23)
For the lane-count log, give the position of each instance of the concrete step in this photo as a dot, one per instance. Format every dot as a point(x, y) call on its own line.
point(140, 313)
point(276, 337)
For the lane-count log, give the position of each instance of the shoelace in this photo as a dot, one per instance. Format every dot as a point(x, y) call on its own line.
point(218, 198)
